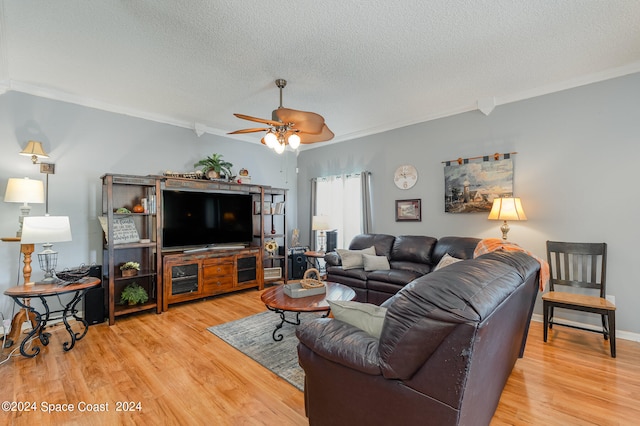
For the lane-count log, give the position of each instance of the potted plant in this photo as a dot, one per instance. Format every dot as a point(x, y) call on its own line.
point(130, 269)
point(214, 166)
point(134, 294)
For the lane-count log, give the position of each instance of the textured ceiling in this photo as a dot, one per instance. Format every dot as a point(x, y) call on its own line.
point(366, 66)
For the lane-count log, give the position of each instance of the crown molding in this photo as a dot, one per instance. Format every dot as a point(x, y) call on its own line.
point(48, 93)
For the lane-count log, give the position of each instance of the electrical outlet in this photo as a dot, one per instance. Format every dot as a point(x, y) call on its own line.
point(611, 298)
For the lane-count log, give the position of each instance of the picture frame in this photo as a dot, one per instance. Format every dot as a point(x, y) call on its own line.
point(409, 210)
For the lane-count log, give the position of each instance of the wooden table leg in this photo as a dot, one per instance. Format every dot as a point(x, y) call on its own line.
point(23, 314)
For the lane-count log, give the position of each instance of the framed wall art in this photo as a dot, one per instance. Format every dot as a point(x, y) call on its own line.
point(408, 210)
point(471, 186)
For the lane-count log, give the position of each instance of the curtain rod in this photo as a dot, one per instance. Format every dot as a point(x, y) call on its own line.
point(495, 156)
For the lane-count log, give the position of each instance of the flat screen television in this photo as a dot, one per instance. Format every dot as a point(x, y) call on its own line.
point(191, 219)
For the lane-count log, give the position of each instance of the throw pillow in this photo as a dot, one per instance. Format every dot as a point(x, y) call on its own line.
point(352, 259)
point(366, 316)
point(446, 261)
point(375, 263)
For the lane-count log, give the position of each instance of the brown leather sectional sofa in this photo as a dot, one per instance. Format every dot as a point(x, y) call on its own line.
point(410, 257)
point(449, 341)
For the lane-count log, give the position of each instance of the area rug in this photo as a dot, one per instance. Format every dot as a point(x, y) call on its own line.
point(253, 337)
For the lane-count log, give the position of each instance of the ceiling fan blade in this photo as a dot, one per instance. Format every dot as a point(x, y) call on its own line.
point(308, 122)
point(252, 130)
point(258, 120)
point(324, 135)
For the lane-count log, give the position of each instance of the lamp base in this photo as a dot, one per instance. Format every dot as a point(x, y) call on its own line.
point(505, 230)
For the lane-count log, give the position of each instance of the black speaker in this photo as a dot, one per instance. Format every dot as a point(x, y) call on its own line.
point(93, 304)
point(332, 240)
point(297, 265)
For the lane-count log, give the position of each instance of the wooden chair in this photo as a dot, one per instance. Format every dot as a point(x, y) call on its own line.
point(579, 265)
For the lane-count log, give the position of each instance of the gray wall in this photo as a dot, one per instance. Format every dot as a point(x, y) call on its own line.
point(573, 171)
point(84, 144)
point(577, 151)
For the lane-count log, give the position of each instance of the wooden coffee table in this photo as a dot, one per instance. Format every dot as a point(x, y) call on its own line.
point(275, 300)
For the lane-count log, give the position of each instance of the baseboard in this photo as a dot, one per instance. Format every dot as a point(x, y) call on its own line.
point(620, 334)
point(27, 325)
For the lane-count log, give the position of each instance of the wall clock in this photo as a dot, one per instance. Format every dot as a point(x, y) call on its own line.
point(405, 176)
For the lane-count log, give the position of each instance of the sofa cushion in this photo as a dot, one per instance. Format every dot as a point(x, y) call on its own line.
point(462, 293)
point(413, 248)
point(352, 259)
point(375, 263)
point(446, 261)
point(395, 276)
point(365, 316)
point(460, 247)
point(381, 242)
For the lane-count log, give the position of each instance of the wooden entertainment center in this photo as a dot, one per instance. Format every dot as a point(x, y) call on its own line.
point(178, 275)
point(197, 275)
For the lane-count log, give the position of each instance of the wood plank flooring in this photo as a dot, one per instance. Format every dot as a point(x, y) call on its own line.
point(182, 374)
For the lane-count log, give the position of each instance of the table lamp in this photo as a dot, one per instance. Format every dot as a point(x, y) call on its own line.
point(46, 230)
point(506, 209)
point(321, 224)
point(24, 190)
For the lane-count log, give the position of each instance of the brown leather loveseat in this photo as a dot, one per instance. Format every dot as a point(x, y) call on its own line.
point(448, 343)
point(409, 257)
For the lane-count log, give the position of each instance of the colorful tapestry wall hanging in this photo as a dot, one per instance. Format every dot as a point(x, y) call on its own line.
point(470, 187)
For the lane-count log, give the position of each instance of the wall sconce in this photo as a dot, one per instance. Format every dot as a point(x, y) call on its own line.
point(34, 150)
point(46, 230)
point(24, 190)
point(321, 224)
point(506, 209)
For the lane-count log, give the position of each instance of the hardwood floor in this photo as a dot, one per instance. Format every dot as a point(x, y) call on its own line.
point(182, 374)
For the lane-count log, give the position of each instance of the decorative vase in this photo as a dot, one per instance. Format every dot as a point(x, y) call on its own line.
point(132, 303)
point(129, 272)
point(212, 174)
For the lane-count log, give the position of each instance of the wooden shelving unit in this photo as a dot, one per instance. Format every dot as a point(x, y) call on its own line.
point(127, 191)
point(273, 226)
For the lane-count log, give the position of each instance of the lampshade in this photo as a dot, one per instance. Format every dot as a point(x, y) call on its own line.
point(270, 139)
point(294, 141)
point(34, 150)
point(320, 223)
point(24, 190)
point(506, 209)
point(279, 147)
point(45, 229)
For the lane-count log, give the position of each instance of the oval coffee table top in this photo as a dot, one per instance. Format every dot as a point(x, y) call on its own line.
point(275, 298)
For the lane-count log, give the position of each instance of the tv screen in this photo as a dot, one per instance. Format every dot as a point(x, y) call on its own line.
point(205, 218)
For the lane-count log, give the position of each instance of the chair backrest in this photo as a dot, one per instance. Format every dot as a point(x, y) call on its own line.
point(582, 265)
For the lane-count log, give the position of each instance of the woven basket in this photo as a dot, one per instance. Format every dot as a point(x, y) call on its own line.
point(311, 279)
point(129, 272)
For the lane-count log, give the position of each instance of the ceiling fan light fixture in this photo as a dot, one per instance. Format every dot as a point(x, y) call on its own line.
point(279, 148)
point(294, 141)
point(270, 139)
point(288, 126)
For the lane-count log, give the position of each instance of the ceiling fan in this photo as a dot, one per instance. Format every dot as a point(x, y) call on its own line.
point(288, 126)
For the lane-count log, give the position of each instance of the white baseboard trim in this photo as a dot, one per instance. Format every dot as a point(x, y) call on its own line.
point(620, 334)
point(26, 326)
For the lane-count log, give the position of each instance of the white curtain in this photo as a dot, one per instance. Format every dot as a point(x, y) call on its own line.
point(345, 199)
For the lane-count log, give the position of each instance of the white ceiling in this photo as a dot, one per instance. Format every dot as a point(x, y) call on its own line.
point(366, 66)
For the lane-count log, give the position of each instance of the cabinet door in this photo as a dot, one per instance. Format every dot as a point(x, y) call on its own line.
point(184, 278)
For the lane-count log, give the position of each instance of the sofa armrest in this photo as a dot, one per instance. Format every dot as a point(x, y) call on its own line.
point(332, 259)
point(341, 343)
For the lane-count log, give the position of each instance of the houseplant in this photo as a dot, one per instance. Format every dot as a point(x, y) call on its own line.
point(130, 269)
point(134, 294)
point(214, 166)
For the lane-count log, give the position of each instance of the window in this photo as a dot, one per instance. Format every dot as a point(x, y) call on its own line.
point(345, 200)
